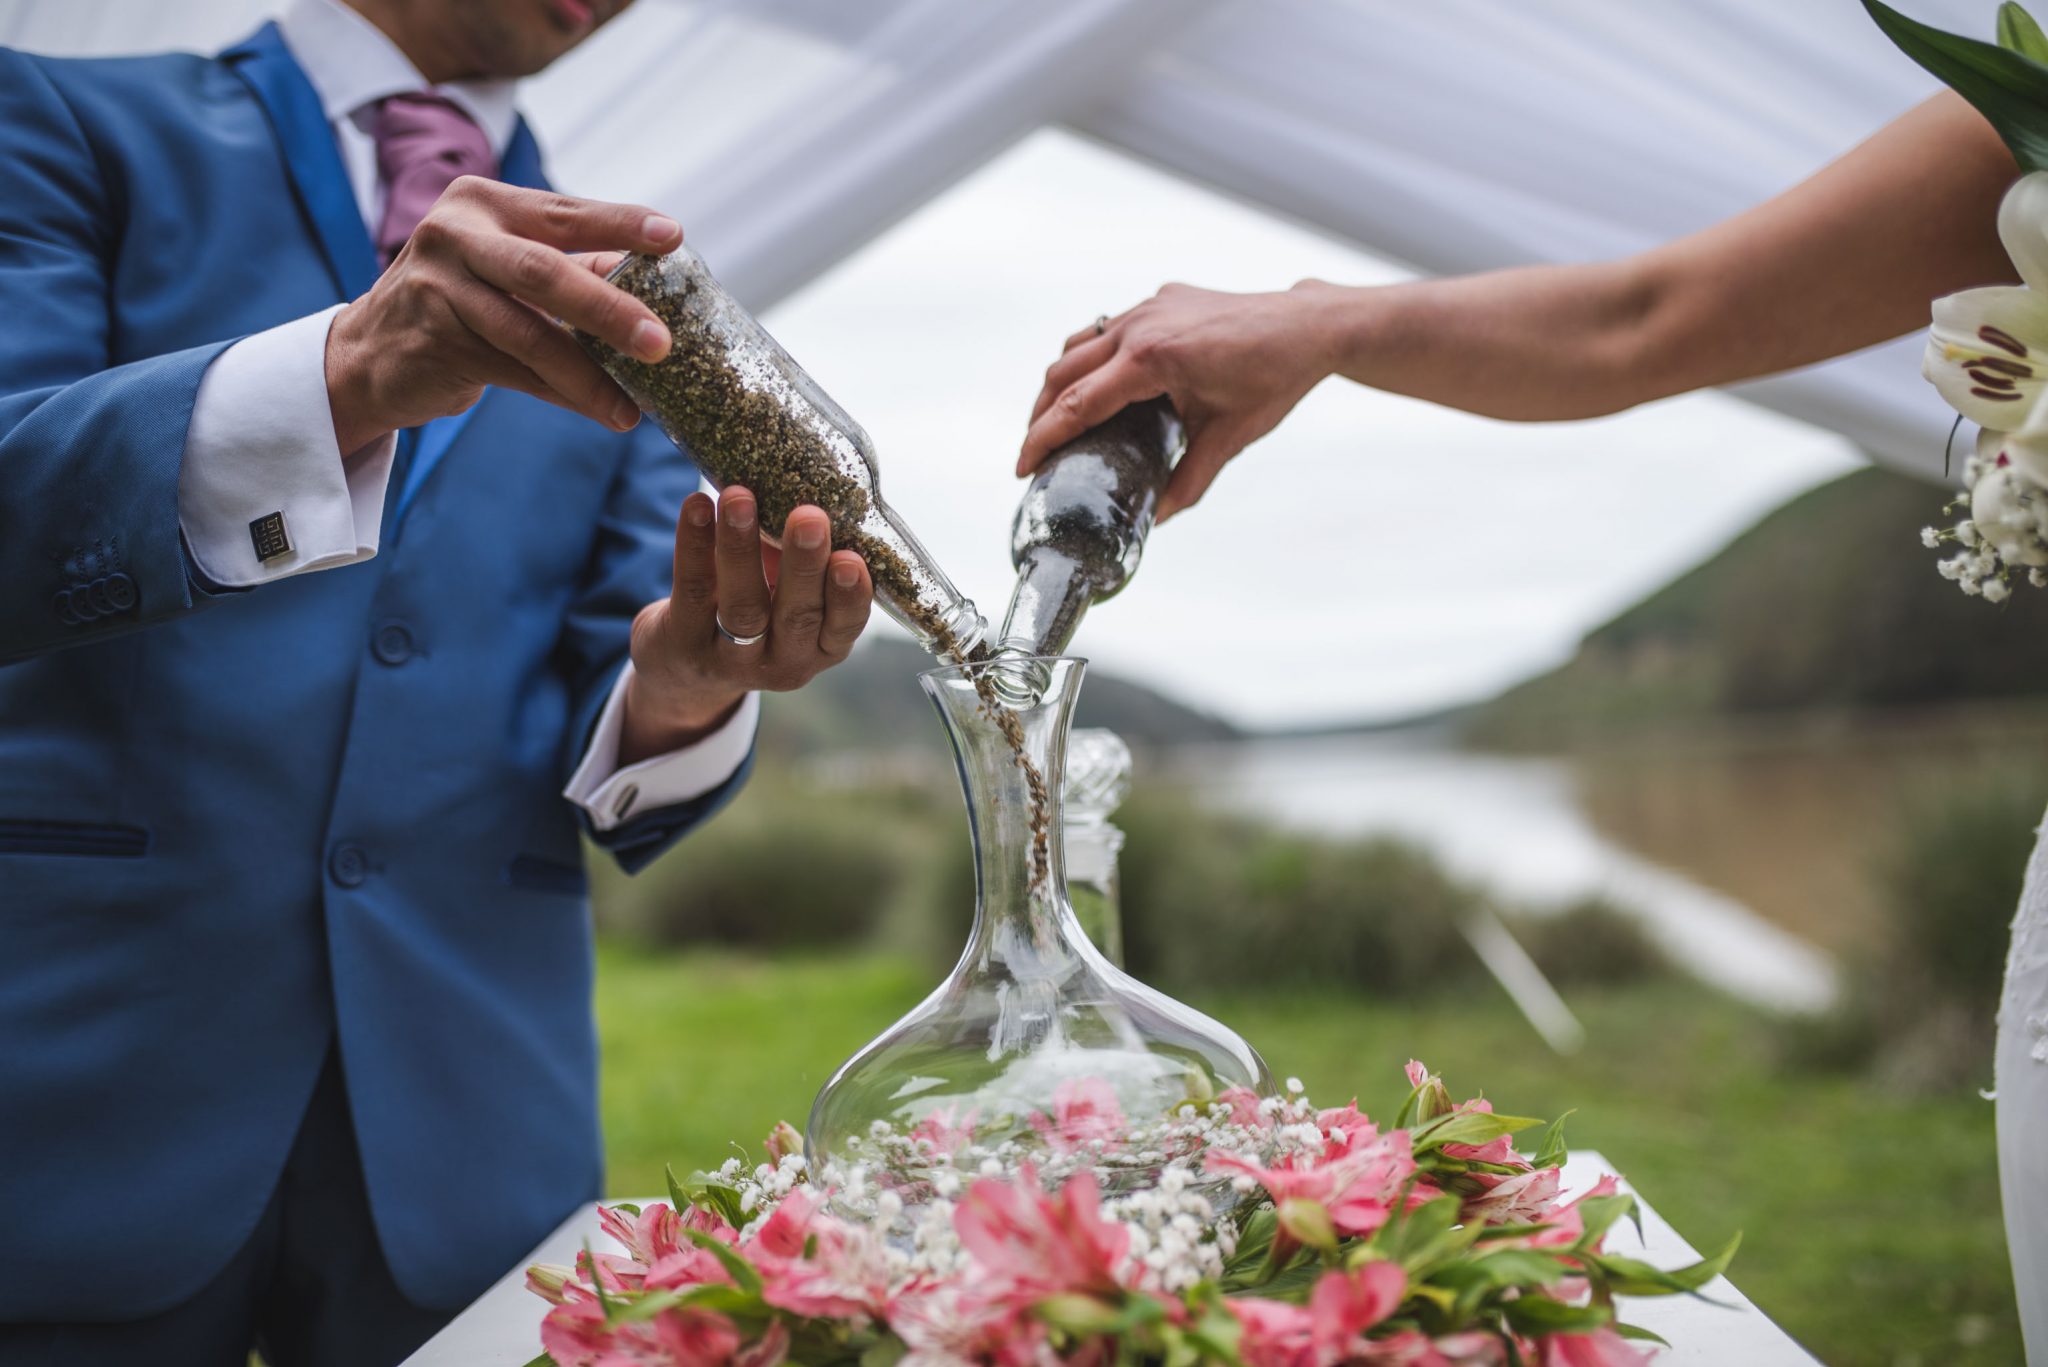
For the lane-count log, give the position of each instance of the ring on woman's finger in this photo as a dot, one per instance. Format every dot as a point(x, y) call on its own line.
point(753, 640)
point(1101, 324)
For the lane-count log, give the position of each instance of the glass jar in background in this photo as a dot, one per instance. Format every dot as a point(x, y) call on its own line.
point(1098, 780)
point(748, 414)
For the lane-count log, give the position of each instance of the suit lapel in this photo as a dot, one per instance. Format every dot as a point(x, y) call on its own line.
point(319, 180)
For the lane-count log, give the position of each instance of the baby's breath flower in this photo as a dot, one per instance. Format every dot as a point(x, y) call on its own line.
point(1995, 591)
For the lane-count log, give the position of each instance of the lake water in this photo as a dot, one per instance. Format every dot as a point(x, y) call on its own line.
point(1755, 862)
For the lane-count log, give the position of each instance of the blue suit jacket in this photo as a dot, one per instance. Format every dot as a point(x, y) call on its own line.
point(235, 827)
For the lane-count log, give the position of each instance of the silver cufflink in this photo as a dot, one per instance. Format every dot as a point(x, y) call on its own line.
point(270, 537)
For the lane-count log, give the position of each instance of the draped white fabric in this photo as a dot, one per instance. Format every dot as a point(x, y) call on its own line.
point(1454, 135)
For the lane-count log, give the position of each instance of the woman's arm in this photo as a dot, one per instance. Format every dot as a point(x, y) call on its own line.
point(1843, 260)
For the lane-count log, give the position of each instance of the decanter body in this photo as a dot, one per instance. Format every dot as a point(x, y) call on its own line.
point(1098, 780)
point(1081, 526)
point(748, 414)
point(1036, 1046)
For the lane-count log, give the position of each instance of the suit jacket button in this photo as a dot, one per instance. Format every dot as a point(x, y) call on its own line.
point(65, 613)
point(120, 591)
point(102, 597)
point(81, 601)
point(348, 865)
point(392, 644)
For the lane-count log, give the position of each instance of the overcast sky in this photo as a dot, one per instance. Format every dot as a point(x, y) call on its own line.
point(1375, 556)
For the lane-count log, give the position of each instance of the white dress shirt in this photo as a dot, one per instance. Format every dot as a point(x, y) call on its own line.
point(262, 440)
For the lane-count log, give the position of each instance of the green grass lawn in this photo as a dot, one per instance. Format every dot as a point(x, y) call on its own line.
point(1870, 1221)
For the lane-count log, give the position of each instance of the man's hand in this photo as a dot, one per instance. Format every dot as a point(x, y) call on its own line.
point(470, 301)
point(809, 605)
point(1233, 364)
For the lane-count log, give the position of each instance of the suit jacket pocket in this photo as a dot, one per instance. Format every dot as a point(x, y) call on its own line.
point(33, 835)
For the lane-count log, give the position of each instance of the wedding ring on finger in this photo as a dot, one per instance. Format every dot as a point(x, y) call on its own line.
point(753, 640)
point(1101, 324)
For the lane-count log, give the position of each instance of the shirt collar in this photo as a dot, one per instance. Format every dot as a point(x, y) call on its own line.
point(353, 64)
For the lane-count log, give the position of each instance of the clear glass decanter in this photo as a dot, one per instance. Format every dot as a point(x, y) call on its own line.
point(748, 414)
point(1036, 1047)
point(1098, 780)
point(1081, 526)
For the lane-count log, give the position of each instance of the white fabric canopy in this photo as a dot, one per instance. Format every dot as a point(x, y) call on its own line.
point(1452, 135)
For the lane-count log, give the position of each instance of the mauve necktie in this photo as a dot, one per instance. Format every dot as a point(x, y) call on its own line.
point(423, 143)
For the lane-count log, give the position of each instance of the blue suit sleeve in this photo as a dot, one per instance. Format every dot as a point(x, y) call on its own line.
point(89, 451)
point(631, 565)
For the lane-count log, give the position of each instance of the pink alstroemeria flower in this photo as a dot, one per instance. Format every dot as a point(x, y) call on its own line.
point(650, 1236)
point(576, 1335)
point(1036, 1243)
point(1601, 1348)
point(1243, 1105)
point(943, 1133)
point(1345, 1130)
point(782, 1141)
point(1412, 1348)
point(944, 1327)
point(767, 1351)
point(1084, 1109)
point(1566, 1222)
point(1527, 1198)
point(812, 1264)
point(1329, 1329)
point(1358, 1185)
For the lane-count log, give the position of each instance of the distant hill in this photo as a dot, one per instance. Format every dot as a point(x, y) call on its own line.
point(1828, 603)
point(873, 702)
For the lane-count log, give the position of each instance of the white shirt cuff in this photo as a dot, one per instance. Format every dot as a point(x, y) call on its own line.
point(613, 795)
point(261, 441)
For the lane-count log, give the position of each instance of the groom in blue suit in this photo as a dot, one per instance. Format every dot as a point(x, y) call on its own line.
point(338, 596)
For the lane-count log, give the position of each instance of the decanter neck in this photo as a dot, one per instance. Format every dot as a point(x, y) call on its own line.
point(1011, 757)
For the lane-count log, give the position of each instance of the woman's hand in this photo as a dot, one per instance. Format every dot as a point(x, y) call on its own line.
point(1233, 364)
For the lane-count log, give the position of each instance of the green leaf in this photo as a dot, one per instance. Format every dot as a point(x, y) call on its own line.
point(1506, 1267)
point(544, 1360)
point(709, 1191)
point(736, 1266)
point(1088, 1316)
point(2017, 32)
point(1599, 1214)
point(1255, 1237)
point(1470, 1127)
point(1215, 1335)
point(604, 1297)
point(1407, 1112)
point(1542, 1315)
point(2009, 88)
point(1553, 1152)
point(1633, 1277)
point(1309, 1222)
point(884, 1353)
point(628, 1207)
point(1640, 1334)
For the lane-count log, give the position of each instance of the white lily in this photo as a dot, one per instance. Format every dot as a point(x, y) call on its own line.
point(1988, 349)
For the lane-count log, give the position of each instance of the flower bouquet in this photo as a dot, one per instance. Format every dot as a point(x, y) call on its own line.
point(1985, 347)
point(1276, 1235)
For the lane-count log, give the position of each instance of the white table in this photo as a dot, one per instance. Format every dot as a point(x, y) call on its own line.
point(502, 1329)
